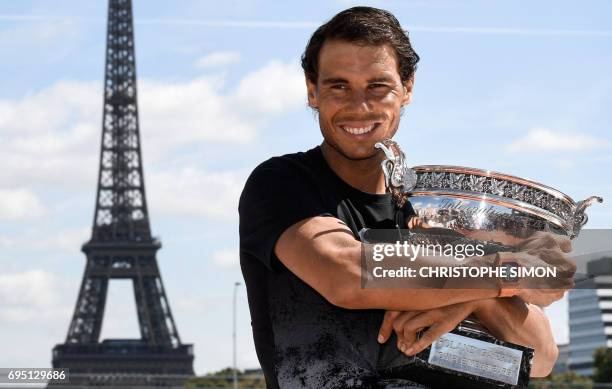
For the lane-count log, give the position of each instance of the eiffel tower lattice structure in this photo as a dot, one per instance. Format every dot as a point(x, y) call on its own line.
point(121, 244)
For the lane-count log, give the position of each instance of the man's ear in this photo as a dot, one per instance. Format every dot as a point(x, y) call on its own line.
point(407, 97)
point(311, 88)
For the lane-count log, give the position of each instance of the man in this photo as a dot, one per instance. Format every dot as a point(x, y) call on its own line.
point(313, 324)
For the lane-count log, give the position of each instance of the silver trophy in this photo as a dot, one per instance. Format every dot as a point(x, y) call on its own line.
point(498, 210)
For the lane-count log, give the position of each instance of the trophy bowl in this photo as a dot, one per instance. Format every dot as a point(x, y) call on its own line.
point(466, 204)
point(493, 207)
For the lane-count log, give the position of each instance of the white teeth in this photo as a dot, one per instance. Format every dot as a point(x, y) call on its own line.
point(358, 130)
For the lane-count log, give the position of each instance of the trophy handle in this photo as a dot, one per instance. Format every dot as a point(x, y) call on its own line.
point(398, 176)
point(388, 152)
point(580, 217)
point(390, 164)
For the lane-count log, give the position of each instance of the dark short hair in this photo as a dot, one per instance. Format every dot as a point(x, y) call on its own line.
point(364, 25)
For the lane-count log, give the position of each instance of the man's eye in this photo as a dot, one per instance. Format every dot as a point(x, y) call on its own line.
point(339, 86)
point(378, 86)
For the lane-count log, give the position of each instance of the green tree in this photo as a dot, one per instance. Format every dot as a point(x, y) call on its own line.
point(224, 379)
point(567, 380)
point(603, 365)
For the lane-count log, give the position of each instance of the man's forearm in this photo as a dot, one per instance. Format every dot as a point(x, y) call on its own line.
point(421, 293)
point(415, 299)
point(323, 253)
point(514, 321)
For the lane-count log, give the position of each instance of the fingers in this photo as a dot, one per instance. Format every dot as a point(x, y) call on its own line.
point(550, 259)
point(398, 327)
point(407, 338)
point(400, 321)
point(537, 240)
point(555, 257)
point(534, 286)
point(432, 334)
point(565, 243)
point(547, 240)
point(437, 322)
point(553, 295)
point(414, 222)
point(551, 249)
point(387, 325)
point(561, 267)
point(422, 320)
point(411, 328)
point(541, 297)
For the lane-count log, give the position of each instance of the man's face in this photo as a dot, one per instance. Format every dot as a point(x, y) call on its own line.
point(359, 94)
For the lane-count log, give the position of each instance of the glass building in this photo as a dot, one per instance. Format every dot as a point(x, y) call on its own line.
point(590, 314)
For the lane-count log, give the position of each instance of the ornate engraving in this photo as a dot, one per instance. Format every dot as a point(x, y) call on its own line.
point(520, 194)
point(476, 357)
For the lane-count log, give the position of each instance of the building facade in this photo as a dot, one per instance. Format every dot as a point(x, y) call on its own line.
point(590, 315)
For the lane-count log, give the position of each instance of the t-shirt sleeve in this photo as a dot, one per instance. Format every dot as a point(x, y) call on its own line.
point(276, 195)
point(408, 210)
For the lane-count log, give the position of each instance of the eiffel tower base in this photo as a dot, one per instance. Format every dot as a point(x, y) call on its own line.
point(123, 363)
point(122, 246)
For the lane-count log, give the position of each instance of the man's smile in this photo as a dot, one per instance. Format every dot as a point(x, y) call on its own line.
point(359, 128)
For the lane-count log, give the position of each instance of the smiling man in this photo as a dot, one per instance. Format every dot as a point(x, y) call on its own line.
point(300, 214)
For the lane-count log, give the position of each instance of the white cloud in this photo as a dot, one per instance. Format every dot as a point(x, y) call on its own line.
point(228, 257)
point(195, 111)
point(273, 89)
point(36, 307)
point(50, 136)
point(29, 295)
point(45, 35)
point(198, 111)
point(53, 135)
point(218, 58)
point(543, 139)
point(5, 242)
point(195, 303)
point(51, 108)
point(188, 191)
point(49, 143)
point(191, 310)
point(16, 204)
point(65, 240)
point(68, 240)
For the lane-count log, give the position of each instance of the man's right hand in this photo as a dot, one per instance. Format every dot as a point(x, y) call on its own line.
point(546, 250)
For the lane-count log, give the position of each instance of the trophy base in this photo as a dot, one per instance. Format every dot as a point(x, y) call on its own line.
point(460, 359)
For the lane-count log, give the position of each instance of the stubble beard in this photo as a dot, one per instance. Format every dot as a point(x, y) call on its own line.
point(338, 150)
point(333, 144)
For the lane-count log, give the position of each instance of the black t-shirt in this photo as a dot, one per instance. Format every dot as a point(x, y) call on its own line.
point(302, 340)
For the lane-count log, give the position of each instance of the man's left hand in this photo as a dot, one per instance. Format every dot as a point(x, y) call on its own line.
point(436, 322)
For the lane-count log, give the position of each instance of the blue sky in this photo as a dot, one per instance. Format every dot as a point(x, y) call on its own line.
point(516, 86)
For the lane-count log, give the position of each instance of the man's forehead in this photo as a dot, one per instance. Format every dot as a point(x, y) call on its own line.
point(342, 57)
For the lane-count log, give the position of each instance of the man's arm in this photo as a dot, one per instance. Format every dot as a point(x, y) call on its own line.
point(514, 321)
point(509, 319)
point(322, 252)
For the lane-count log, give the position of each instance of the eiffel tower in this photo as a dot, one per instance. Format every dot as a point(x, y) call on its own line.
point(121, 244)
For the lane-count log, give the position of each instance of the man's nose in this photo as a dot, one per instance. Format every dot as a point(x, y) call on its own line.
point(358, 101)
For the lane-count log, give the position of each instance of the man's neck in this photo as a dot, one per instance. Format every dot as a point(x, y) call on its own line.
point(365, 174)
